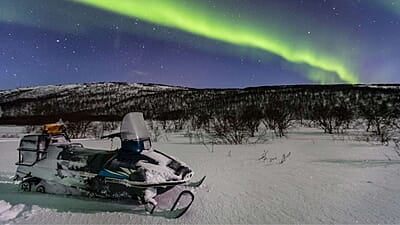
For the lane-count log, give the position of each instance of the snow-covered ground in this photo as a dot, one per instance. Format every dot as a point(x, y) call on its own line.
point(325, 180)
point(11, 131)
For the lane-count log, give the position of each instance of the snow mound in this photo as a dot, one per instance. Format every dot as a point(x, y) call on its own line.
point(9, 212)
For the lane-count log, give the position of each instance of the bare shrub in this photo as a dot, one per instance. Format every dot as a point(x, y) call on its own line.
point(78, 129)
point(382, 116)
point(332, 115)
point(278, 115)
point(397, 147)
point(263, 156)
point(285, 157)
point(266, 159)
point(228, 128)
point(32, 129)
point(251, 117)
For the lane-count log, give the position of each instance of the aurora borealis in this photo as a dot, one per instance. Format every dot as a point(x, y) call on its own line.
point(214, 43)
point(169, 13)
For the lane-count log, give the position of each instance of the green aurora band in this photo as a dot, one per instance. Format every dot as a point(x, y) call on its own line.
point(389, 5)
point(201, 21)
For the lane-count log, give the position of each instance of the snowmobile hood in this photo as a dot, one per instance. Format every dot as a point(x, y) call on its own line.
point(133, 127)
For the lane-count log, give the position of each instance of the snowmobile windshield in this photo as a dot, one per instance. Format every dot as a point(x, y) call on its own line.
point(133, 127)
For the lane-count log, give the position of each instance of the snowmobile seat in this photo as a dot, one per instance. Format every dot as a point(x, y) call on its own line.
point(96, 162)
point(95, 159)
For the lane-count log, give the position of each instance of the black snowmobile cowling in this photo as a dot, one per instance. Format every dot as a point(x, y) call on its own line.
point(135, 170)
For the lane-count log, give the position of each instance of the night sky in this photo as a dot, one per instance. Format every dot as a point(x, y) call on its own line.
point(199, 43)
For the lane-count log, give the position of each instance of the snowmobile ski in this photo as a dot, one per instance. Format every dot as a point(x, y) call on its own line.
point(174, 212)
point(163, 184)
point(195, 184)
point(146, 185)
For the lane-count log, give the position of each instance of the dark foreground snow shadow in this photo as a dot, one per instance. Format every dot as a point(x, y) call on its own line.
point(60, 203)
point(361, 163)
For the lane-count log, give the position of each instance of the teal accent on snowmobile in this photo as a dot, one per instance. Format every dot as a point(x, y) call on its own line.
point(107, 173)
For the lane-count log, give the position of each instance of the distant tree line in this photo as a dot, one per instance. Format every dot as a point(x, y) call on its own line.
point(229, 115)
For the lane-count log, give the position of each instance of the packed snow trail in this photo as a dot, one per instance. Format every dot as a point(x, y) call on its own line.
point(325, 180)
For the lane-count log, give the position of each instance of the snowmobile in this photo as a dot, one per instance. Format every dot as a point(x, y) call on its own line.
point(50, 163)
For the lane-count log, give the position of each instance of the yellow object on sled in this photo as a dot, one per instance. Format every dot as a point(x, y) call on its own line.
point(54, 128)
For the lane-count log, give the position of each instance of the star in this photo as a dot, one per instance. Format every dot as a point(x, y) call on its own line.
point(213, 43)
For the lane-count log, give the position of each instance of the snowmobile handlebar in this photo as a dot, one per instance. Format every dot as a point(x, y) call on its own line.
point(110, 136)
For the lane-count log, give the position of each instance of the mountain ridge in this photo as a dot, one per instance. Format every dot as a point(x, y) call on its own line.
point(109, 101)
